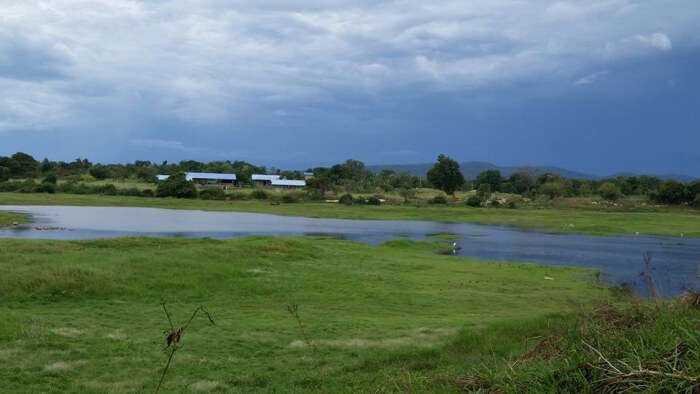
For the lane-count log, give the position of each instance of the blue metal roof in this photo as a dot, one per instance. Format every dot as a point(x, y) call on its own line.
point(210, 175)
point(263, 177)
point(288, 182)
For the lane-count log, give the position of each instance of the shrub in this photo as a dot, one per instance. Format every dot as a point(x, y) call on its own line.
point(147, 193)
point(10, 186)
point(609, 191)
point(346, 199)
point(99, 172)
point(177, 186)
point(259, 194)
point(107, 190)
point(4, 174)
point(289, 199)
point(484, 192)
point(438, 200)
point(671, 192)
point(27, 186)
point(132, 191)
point(51, 178)
point(212, 194)
point(553, 189)
point(696, 201)
point(373, 200)
point(511, 204)
point(45, 187)
point(237, 196)
point(359, 201)
point(474, 201)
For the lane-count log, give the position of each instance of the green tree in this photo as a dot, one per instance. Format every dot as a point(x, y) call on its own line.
point(99, 172)
point(23, 165)
point(522, 182)
point(445, 175)
point(178, 186)
point(491, 177)
point(4, 174)
point(609, 191)
point(671, 192)
point(553, 189)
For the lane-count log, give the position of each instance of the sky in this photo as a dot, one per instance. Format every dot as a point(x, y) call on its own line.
point(599, 86)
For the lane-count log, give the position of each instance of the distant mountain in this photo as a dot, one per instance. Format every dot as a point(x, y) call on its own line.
point(471, 169)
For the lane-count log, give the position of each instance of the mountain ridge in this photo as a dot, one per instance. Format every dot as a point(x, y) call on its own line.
point(471, 169)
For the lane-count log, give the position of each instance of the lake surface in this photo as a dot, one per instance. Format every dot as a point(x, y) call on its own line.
point(675, 261)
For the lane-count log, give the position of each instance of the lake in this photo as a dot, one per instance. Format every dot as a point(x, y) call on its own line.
point(674, 268)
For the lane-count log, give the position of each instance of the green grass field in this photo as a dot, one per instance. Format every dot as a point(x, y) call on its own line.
point(84, 316)
point(575, 218)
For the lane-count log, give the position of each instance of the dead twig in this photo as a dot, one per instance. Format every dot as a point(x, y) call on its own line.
point(174, 336)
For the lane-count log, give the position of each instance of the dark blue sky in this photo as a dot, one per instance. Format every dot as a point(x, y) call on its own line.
point(604, 87)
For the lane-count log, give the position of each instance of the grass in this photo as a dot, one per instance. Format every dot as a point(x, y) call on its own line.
point(569, 216)
point(8, 219)
point(84, 316)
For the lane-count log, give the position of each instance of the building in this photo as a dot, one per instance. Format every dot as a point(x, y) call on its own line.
point(288, 184)
point(308, 175)
point(263, 180)
point(208, 179)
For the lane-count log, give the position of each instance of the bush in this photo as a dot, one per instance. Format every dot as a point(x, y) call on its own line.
point(10, 186)
point(212, 194)
point(553, 189)
point(107, 190)
point(51, 178)
point(27, 186)
point(373, 200)
point(346, 199)
point(511, 204)
point(484, 192)
point(609, 191)
point(237, 196)
point(4, 174)
point(438, 200)
point(99, 172)
point(177, 186)
point(671, 192)
point(147, 193)
point(696, 201)
point(289, 199)
point(132, 191)
point(474, 201)
point(259, 194)
point(45, 187)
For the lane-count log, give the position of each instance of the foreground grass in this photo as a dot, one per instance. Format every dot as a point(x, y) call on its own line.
point(84, 316)
point(570, 219)
point(8, 219)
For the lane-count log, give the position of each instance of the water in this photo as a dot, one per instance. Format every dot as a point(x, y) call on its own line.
point(675, 261)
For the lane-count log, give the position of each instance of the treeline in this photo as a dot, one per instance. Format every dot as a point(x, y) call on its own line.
point(349, 177)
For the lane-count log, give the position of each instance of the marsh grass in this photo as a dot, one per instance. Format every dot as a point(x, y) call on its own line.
point(84, 316)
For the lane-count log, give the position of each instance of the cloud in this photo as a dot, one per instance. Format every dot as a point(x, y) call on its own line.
point(220, 63)
point(154, 143)
point(657, 40)
point(591, 78)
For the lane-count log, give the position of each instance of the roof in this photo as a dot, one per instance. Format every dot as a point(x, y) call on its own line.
point(262, 177)
point(288, 182)
point(202, 175)
point(210, 175)
point(308, 173)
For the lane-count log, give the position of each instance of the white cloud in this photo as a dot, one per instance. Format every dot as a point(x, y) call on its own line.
point(154, 143)
point(215, 61)
point(657, 40)
point(591, 78)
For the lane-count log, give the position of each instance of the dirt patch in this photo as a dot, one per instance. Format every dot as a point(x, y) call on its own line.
point(205, 385)
point(68, 332)
point(61, 366)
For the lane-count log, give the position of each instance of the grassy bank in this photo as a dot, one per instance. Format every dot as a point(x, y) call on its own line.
point(84, 316)
point(572, 218)
point(8, 219)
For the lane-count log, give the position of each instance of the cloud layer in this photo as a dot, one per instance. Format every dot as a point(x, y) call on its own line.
point(67, 62)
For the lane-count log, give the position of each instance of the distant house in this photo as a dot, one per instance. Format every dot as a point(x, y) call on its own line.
point(308, 175)
point(288, 184)
point(209, 179)
point(263, 180)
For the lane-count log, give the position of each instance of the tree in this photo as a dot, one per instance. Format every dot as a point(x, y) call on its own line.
point(671, 192)
point(178, 186)
point(491, 177)
point(445, 175)
point(609, 191)
point(99, 172)
point(4, 174)
point(23, 165)
point(553, 189)
point(522, 182)
point(407, 193)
